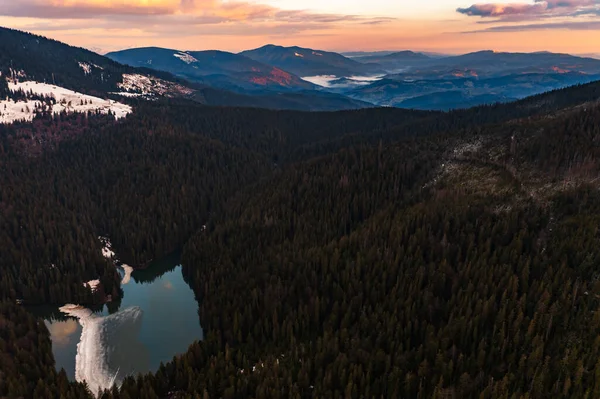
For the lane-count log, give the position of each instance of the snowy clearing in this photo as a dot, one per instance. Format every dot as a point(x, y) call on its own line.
point(142, 84)
point(11, 111)
point(66, 100)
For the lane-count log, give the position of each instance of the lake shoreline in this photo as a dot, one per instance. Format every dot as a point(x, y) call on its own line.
point(167, 318)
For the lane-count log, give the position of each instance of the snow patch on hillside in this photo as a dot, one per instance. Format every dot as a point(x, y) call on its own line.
point(137, 83)
point(17, 73)
point(87, 68)
point(66, 100)
point(185, 57)
point(298, 55)
point(126, 94)
point(101, 359)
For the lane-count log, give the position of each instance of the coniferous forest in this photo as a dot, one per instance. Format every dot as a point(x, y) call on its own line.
point(376, 253)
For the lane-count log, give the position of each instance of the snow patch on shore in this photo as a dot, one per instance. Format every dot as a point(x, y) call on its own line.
point(107, 251)
point(92, 285)
point(104, 351)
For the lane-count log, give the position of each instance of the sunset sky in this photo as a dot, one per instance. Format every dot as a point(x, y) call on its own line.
point(449, 26)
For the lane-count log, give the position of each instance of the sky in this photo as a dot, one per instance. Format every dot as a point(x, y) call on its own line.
point(445, 26)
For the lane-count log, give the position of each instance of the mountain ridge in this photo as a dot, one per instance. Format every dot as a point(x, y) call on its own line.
point(309, 62)
point(243, 73)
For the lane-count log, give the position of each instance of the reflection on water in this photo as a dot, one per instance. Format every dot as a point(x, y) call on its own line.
point(157, 269)
point(63, 333)
point(156, 319)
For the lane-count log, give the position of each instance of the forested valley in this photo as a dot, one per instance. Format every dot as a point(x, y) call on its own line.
point(373, 253)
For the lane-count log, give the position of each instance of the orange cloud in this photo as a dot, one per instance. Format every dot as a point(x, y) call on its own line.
point(189, 11)
point(539, 9)
point(235, 25)
point(65, 9)
point(155, 20)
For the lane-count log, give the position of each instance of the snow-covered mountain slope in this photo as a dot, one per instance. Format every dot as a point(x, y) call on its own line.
point(26, 57)
point(42, 97)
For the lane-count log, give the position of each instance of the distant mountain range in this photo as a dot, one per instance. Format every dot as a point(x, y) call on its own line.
point(461, 81)
point(364, 54)
point(309, 62)
point(396, 61)
point(490, 63)
point(383, 78)
point(418, 93)
point(591, 55)
point(215, 68)
point(294, 77)
point(27, 57)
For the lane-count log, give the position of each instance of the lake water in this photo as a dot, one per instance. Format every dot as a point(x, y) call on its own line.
point(156, 319)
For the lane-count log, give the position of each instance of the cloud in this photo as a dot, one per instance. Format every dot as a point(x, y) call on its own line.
point(572, 25)
point(170, 11)
point(144, 22)
point(74, 9)
point(568, 3)
point(497, 10)
point(159, 20)
point(537, 9)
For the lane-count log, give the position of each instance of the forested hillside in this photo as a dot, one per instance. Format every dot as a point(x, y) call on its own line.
point(370, 253)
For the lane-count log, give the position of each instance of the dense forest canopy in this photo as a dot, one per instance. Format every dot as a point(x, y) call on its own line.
point(372, 253)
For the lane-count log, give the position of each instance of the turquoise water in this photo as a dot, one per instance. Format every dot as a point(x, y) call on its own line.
point(169, 323)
